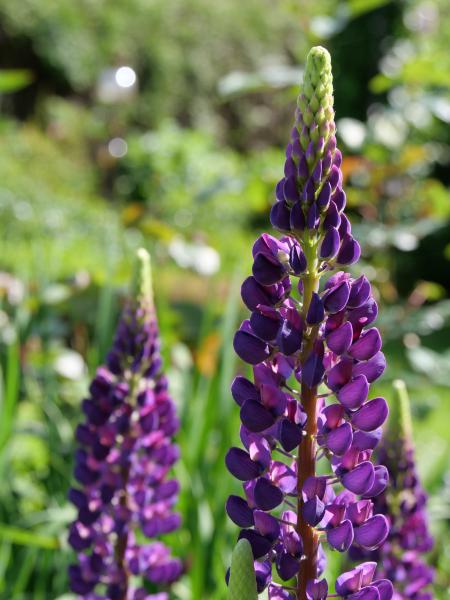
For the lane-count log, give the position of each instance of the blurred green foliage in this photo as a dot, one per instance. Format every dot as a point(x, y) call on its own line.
point(184, 160)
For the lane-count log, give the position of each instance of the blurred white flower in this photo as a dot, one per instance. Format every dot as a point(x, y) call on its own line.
point(70, 364)
point(196, 255)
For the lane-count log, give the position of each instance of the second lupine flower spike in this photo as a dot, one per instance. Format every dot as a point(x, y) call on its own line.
point(299, 338)
point(402, 556)
point(122, 466)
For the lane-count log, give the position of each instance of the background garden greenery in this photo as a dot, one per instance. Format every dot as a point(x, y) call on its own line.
point(184, 161)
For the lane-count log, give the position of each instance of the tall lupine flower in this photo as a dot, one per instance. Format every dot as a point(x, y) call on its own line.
point(314, 354)
point(123, 463)
point(401, 557)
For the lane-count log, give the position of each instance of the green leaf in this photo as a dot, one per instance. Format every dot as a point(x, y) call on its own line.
point(242, 584)
point(12, 80)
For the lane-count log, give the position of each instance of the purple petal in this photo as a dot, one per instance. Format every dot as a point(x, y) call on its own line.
point(368, 593)
point(337, 298)
point(289, 434)
point(253, 294)
point(298, 221)
point(385, 589)
point(267, 269)
point(354, 393)
point(266, 525)
point(360, 292)
point(289, 338)
point(290, 189)
point(340, 374)
point(332, 218)
point(380, 482)
point(339, 340)
point(360, 479)
point(255, 417)
point(350, 251)
point(324, 197)
point(367, 440)
point(265, 326)
point(313, 511)
point(371, 415)
point(250, 348)
point(367, 346)
point(260, 544)
point(316, 310)
point(341, 537)
point(280, 216)
point(239, 511)
point(372, 533)
point(240, 464)
point(330, 244)
point(317, 590)
point(287, 566)
point(297, 259)
point(371, 369)
point(339, 198)
point(267, 495)
point(313, 369)
point(339, 440)
point(242, 389)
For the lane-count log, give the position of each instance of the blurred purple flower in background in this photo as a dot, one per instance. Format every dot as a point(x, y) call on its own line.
point(123, 464)
point(322, 338)
point(402, 557)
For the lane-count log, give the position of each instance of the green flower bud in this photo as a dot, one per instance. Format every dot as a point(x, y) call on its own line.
point(242, 585)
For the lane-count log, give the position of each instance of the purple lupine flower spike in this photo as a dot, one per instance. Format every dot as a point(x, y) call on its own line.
point(122, 466)
point(402, 557)
point(314, 352)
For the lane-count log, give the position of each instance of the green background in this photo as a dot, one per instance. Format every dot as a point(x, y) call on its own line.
point(201, 134)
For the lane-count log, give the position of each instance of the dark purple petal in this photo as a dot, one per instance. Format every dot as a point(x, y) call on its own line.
point(250, 348)
point(354, 393)
point(340, 439)
point(240, 464)
point(298, 221)
point(324, 197)
point(260, 544)
point(290, 434)
point(367, 346)
point(386, 589)
point(367, 440)
point(340, 374)
point(359, 293)
point(360, 479)
point(332, 218)
point(280, 216)
point(313, 369)
point(313, 511)
point(254, 294)
point(239, 511)
point(266, 525)
point(267, 269)
point(242, 389)
point(339, 340)
point(371, 415)
point(316, 311)
point(372, 533)
point(336, 299)
point(380, 482)
point(255, 417)
point(350, 251)
point(267, 495)
point(287, 566)
point(371, 369)
point(289, 338)
point(368, 593)
point(330, 244)
point(290, 189)
point(317, 590)
point(297, 259)
point(341, 537)
point(265, 326)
